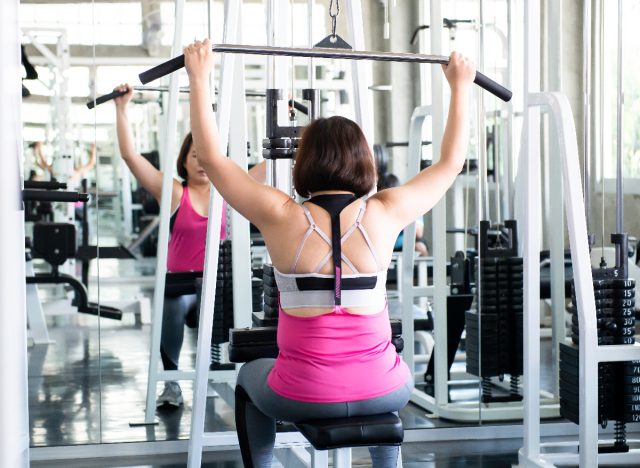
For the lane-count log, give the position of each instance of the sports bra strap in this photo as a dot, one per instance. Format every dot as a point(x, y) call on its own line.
point(300, 246)
point(369, 244)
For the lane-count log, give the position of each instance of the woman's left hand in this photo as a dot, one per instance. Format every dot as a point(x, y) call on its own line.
point(198, 59)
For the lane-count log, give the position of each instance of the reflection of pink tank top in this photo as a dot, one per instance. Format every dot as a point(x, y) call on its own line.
point(188, 237)
point(336, 357)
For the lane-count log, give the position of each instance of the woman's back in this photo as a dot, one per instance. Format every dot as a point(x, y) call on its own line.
point(301, 245)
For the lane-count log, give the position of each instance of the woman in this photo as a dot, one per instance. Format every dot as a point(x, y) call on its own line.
point(189, 208)
point(335, 357)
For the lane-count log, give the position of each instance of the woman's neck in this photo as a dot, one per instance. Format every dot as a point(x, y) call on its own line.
point(200, 188)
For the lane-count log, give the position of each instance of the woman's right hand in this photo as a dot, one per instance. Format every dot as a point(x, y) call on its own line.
point(122, 101)
point(460, 72)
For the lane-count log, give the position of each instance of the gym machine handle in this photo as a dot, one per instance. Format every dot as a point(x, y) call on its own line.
point(48, 196)
point(44, 185)
point(177, 63)
point(107, 97)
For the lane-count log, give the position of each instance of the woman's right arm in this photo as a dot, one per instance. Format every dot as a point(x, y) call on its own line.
point(407, 202)
point(146, 174)
point(259, 203)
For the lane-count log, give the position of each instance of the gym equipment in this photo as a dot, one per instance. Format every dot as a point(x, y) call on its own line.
point(494, 323)
point(450, 24)
point(223, 308)
point(162, 89)
point(281, 142)
point(614, 293)
point(177, 63)
point(56, 243)
point(114, 94)
point(45, 185)
point(618, 390)
point(53, 196)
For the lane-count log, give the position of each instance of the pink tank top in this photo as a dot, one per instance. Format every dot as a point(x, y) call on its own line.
point(336, 357)
point(188, 237)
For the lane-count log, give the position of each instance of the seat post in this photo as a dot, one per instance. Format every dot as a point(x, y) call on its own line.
point(342, 457)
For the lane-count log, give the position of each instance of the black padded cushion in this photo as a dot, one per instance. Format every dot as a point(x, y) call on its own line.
point(356, 431)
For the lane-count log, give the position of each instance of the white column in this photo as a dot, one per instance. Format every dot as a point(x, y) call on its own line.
point(530, 172)
point(168, 156)
point(439, 216)
point(361, 71)
point(223, 117)
point(554, 211)
point(14, 426)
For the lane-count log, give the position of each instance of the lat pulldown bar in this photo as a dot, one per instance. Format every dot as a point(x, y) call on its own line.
point(114, 94)
point(177, 63)
point(162, 89)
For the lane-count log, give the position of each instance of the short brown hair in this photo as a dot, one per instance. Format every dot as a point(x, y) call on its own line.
point(182, 156)
point(333, 155)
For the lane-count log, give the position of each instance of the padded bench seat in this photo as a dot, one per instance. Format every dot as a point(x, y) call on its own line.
point(356, 431)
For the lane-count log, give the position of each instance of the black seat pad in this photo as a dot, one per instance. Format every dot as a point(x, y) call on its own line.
point(357, 431)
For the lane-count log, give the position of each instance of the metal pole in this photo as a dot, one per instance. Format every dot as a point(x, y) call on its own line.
point(586, 133)
point(168, 154)
point(483, 182)
point(207, 303)
point(620, 124)
point(508, 209)
point(439, 218)
point(14, 425)
point(554, 196)
point(362, 75)
point(529, 167)
point(310, 67)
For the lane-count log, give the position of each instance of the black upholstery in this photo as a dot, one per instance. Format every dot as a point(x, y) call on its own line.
point(355, 431)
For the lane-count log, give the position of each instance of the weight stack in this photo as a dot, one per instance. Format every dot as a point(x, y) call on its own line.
point(494, 334)
point(257, 294)
point(271, 306)
point(618, 382)
point(279, 147)
point(223, 308)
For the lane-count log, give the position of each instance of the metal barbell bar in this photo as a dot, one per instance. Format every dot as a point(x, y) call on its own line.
point(177, 63)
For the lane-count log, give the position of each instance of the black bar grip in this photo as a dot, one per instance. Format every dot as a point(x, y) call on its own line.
point(107, 97)
point(161, 70)
point(494, 88)
point(44, 185)
point(54, 196)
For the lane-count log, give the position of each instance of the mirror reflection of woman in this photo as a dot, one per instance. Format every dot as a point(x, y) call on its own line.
point(186, 250)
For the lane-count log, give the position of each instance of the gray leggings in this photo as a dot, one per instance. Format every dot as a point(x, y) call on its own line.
point(177, 312)
point(266, 406)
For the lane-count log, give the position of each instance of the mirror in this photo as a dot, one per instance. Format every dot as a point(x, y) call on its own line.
point(60, 162)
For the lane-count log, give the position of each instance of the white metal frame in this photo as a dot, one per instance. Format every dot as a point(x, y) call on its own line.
point(14, 422)
point(591, 354)
point(227, 93)
point(36, 320)
point(168, 146)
